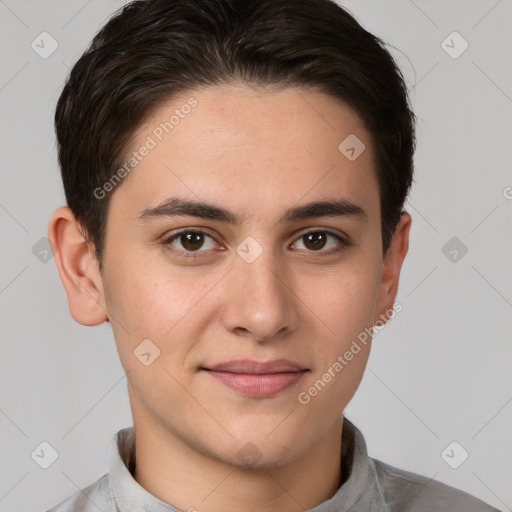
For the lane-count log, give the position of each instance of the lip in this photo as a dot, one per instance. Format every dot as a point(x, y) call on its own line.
point(255, 378)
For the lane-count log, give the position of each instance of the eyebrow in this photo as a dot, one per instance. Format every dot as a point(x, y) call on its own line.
point(176, 206)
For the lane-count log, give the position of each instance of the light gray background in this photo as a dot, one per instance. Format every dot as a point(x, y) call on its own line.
point(439, 372)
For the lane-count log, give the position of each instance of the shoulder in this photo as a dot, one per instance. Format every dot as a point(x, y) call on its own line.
point(408, 492)
point(89, 498)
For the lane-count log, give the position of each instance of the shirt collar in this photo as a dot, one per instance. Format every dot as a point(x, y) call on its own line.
point(354, 494)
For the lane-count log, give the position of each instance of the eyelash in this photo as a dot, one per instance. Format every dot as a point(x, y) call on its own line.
point(197, 254)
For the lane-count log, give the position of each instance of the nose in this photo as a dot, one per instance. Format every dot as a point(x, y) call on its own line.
point(262, 304)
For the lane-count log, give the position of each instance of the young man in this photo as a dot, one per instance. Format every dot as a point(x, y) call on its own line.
point(235, 173)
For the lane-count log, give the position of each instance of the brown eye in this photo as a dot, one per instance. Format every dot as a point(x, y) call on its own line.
point(323, 242)
point(192, 241)
point(188, 241)
point(315, 241)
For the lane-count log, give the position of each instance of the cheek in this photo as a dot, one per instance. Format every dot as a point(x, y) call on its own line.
point(150, 299)
point(345, 299)
point(146, 303)
point(339, 357)
point(346, 303)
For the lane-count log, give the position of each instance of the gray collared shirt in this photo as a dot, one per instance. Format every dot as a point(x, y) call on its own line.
point(371, 486)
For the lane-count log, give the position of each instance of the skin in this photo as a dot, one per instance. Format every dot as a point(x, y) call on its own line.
point(256, 153)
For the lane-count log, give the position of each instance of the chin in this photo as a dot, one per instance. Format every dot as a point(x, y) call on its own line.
point(268, 449)
point(253, 456)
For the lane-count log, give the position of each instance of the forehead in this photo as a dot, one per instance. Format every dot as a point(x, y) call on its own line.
point(266, 148)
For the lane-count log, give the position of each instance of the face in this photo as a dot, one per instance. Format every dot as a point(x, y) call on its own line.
point(250, 297)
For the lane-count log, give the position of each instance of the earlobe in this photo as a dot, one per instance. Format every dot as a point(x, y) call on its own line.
point(78, 268)
point(392, 266)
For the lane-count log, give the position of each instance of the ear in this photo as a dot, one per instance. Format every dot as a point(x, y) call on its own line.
point(78, 268)
point(391, 267)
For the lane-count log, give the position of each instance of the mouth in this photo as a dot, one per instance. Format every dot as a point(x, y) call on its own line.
point(257, 379)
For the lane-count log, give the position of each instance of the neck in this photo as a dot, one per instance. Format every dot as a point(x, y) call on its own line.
point(189, 479)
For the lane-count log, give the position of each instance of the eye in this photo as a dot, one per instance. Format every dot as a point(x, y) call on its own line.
point(190, 241)
point(318, 241)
